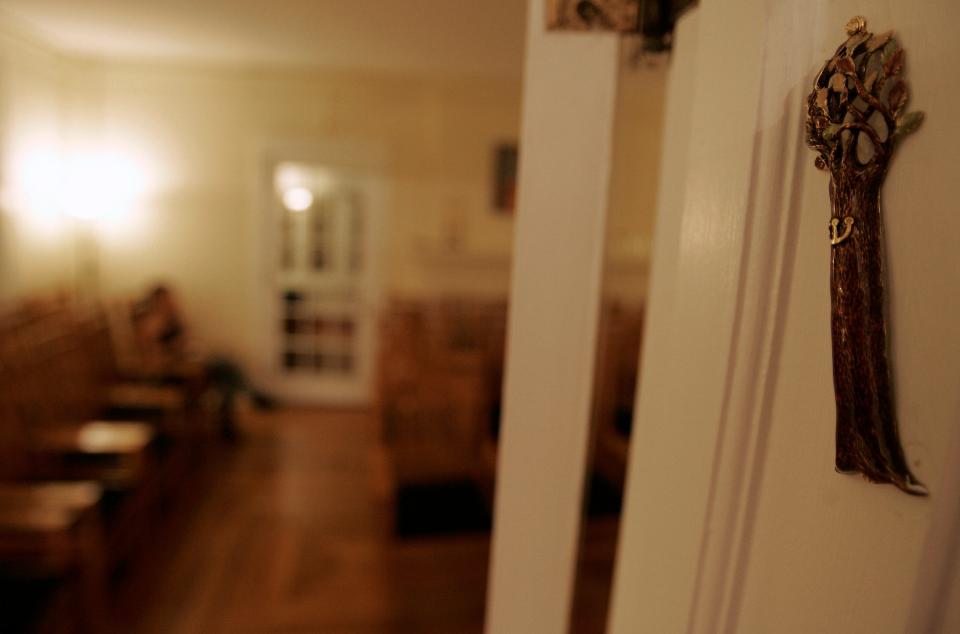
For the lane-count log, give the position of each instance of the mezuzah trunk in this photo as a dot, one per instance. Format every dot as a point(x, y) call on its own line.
point(854, 119)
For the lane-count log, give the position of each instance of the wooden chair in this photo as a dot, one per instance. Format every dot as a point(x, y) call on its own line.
point(53, 530)
point(50, 529)
point(438, 390)
point(51, 397)
point(79, 492)
point(128, 389)
point(620, 335)
point(54, 394)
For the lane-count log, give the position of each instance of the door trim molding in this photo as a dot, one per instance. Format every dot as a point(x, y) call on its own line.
point(567, 135)
point(711, 367)
point(936, 592)
point(769, 246)
point(750, 225)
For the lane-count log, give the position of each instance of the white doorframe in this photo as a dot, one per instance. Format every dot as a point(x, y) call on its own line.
point(685, 412)
point(936, 595)
point(361, 162)
point(566, 142)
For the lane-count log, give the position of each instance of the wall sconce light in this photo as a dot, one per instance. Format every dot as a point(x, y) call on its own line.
point(101, 186)
point(297, 199)
point(100, 190)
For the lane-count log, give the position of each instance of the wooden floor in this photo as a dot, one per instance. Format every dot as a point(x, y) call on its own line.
point(290, 532)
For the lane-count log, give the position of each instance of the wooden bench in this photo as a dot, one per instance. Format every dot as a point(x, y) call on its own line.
point(615, 382)
point(438, 392)
point(78, 492)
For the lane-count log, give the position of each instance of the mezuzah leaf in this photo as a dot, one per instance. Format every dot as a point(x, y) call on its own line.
point(894, 65)
point(838, 84)
point(846, 65)
point(891, 47)
point(878, 41)
point(897, 98)
point(821, 99)
point(855, 41)
point(908, 123)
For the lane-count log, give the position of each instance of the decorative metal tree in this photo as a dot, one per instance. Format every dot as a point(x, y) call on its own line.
point(855, 118)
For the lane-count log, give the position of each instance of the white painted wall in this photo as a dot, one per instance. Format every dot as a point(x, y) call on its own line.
point(638, 129)
point(569, 95)
point(202, 134)
point(36, 250)
point(198, 135)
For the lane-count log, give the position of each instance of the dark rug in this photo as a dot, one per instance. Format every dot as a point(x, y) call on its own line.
point(457, 507)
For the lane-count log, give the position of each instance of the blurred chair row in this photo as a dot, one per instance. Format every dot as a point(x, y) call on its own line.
point(439, 396)
point(441, 365)
point(91, 452)
point(615, 384)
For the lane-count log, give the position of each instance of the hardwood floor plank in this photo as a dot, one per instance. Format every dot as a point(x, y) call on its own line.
point(290, 531)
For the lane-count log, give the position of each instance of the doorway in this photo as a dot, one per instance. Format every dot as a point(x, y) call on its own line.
point(323, 283)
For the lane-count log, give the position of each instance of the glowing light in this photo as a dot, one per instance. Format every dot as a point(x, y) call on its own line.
point(31, 191)
point(297, 198)
point(35, 171)
point(101, 185)
point(100, 437)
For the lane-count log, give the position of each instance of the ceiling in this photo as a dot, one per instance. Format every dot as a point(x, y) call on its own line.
point(446, 36)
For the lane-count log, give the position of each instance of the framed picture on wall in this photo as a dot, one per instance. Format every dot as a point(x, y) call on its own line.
point(505, 178)
point(582, 15)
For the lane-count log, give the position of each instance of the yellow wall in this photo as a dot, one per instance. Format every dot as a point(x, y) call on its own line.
point(199, 135)
point(36, 251)
point(638, 126)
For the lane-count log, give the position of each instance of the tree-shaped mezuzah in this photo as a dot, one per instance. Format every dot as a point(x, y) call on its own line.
point(856, 116)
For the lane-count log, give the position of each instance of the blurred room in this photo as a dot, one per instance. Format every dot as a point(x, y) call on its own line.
point(450, 317)
point(255, 278)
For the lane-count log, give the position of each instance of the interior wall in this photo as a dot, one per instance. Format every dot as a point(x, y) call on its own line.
point(200, 134)
point(638, 129)
point(196, 137)
point(36, 250)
